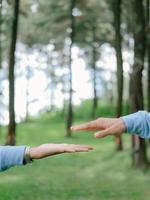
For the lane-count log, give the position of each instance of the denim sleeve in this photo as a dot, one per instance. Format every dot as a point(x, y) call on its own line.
point(138, 123)
point(11, 156)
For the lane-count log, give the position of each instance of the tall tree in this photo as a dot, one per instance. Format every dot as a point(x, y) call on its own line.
point(139, 157)
point(118, 48)
point(95, 100)
point(0, 50)
point(148, 52)
point(0, 34)
point(52, 80)
point(28, 75)
point(72, 35)
point(12, 125)
point(92, 32)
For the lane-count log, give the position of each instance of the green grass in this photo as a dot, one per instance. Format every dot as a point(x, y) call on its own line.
point(102, 174)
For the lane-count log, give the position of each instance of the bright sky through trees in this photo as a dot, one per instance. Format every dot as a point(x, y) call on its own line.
point(39, 96)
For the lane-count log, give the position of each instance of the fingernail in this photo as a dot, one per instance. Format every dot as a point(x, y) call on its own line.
point(96, 135)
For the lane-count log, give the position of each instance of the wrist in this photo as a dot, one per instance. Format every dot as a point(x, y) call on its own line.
point(27, 156)
point(35, 153)
point(32, 153)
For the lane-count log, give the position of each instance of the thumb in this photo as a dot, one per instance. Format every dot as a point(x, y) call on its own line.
point(102, 134)
point(114, 129)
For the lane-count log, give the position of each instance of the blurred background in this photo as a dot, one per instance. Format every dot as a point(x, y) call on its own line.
point(65, 62)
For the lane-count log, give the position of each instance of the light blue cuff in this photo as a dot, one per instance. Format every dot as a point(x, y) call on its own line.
point(138, 123)
point(11, 156)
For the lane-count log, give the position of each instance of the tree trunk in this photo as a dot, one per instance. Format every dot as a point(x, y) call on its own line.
point(52, 91)
point(63, 82)
point(10, 140)
point(70, 108)
point(95, 101)
point(118, 41)
point(139, 157)
point(0, 52)
point(0, 34)
point(27, 92)
point(148, 54)
point(148, 73)
point(64, 98)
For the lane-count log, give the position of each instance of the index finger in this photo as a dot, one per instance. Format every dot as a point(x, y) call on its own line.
point(90, 126)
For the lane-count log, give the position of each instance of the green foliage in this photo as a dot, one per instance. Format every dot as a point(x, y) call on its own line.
point(95, 16)
point(51, 22)
point(84, 111)
point(6, 23)
point(50, 19)
point(101, 174)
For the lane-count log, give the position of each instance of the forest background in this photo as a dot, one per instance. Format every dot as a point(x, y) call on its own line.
point(69, 61)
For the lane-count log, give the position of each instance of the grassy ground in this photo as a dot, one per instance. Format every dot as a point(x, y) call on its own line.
point(99, 175)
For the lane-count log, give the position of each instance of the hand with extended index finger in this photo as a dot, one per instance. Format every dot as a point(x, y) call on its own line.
point(104, 126)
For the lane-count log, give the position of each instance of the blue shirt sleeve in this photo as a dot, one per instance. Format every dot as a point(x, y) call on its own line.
point(11, 156)
point(138, 123)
